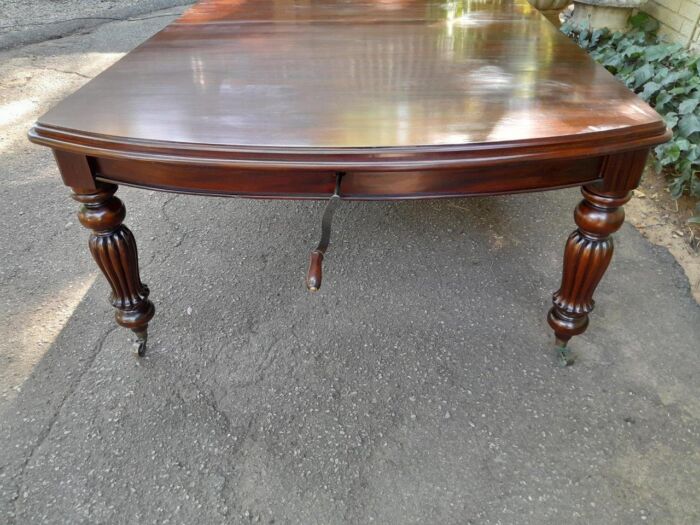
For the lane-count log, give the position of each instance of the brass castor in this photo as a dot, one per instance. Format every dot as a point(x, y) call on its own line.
point(565, 355)
point(140, 343)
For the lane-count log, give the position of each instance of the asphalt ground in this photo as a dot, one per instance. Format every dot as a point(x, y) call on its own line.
point(418, 386)
point(25, 22)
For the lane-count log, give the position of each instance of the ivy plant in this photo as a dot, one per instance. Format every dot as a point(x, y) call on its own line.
point(667, 76)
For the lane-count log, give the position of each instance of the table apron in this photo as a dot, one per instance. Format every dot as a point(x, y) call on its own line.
point(235, 182)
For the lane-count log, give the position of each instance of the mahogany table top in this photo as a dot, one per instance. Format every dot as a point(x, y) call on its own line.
point(256, 81)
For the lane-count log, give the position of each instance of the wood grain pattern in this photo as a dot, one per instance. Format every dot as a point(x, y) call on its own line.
point(367, 85)
point(358, 185)
point(76, 171)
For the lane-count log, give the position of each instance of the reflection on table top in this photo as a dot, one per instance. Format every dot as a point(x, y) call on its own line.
point(347, 74)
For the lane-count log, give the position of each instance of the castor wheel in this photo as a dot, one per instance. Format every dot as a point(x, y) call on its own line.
point(140, 343)
point(140, 348)
point(566, 356)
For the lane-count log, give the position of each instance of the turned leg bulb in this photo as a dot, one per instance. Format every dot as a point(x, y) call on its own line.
point(113, 247)
point(587, 255)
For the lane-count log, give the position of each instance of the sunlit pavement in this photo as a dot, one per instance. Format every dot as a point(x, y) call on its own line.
point(419, 385)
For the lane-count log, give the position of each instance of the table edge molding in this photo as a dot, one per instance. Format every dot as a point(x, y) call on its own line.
point(348, 159)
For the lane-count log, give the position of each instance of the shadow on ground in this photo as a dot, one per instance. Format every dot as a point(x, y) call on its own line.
point(418, 385)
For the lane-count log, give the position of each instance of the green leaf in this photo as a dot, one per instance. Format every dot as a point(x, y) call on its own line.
point(583, 38)
point(681, 90)
point(685, 168)
point(676, 187)
point(687, 106)
point(695, 186)
point(643, 74)
point(657, 52)
point(613, 62)
point(644, 22)
point(683, 144)
point(661, 100)
point(650, 89)
point(661, 73)
point(675, 76)
point(689, 124)
point(597, 35)
point(671, 154)
point(632, 52)
point(671, 119)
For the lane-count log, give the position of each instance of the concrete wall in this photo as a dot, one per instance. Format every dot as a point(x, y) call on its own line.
point(678, 19)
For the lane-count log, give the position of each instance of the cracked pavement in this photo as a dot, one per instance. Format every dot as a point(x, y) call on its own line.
point(419, 385)
point(24, 23)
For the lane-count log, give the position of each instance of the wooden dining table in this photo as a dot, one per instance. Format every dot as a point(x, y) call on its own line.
point(354, 99)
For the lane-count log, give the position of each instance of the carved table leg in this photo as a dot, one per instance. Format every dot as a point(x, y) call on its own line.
point(589, 249)
point(586, 257)
point(114, 249)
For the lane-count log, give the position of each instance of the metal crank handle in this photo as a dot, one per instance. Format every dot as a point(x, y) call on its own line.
point(315, 273)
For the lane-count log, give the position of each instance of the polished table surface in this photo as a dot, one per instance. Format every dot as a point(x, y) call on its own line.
point(363, 99)
point(281, 76)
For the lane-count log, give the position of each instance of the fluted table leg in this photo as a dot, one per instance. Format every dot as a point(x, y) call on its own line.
point(586, 257)
point(114, 249)
point(589, 249)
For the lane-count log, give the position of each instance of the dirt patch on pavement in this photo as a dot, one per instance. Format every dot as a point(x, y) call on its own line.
point(663, 221)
